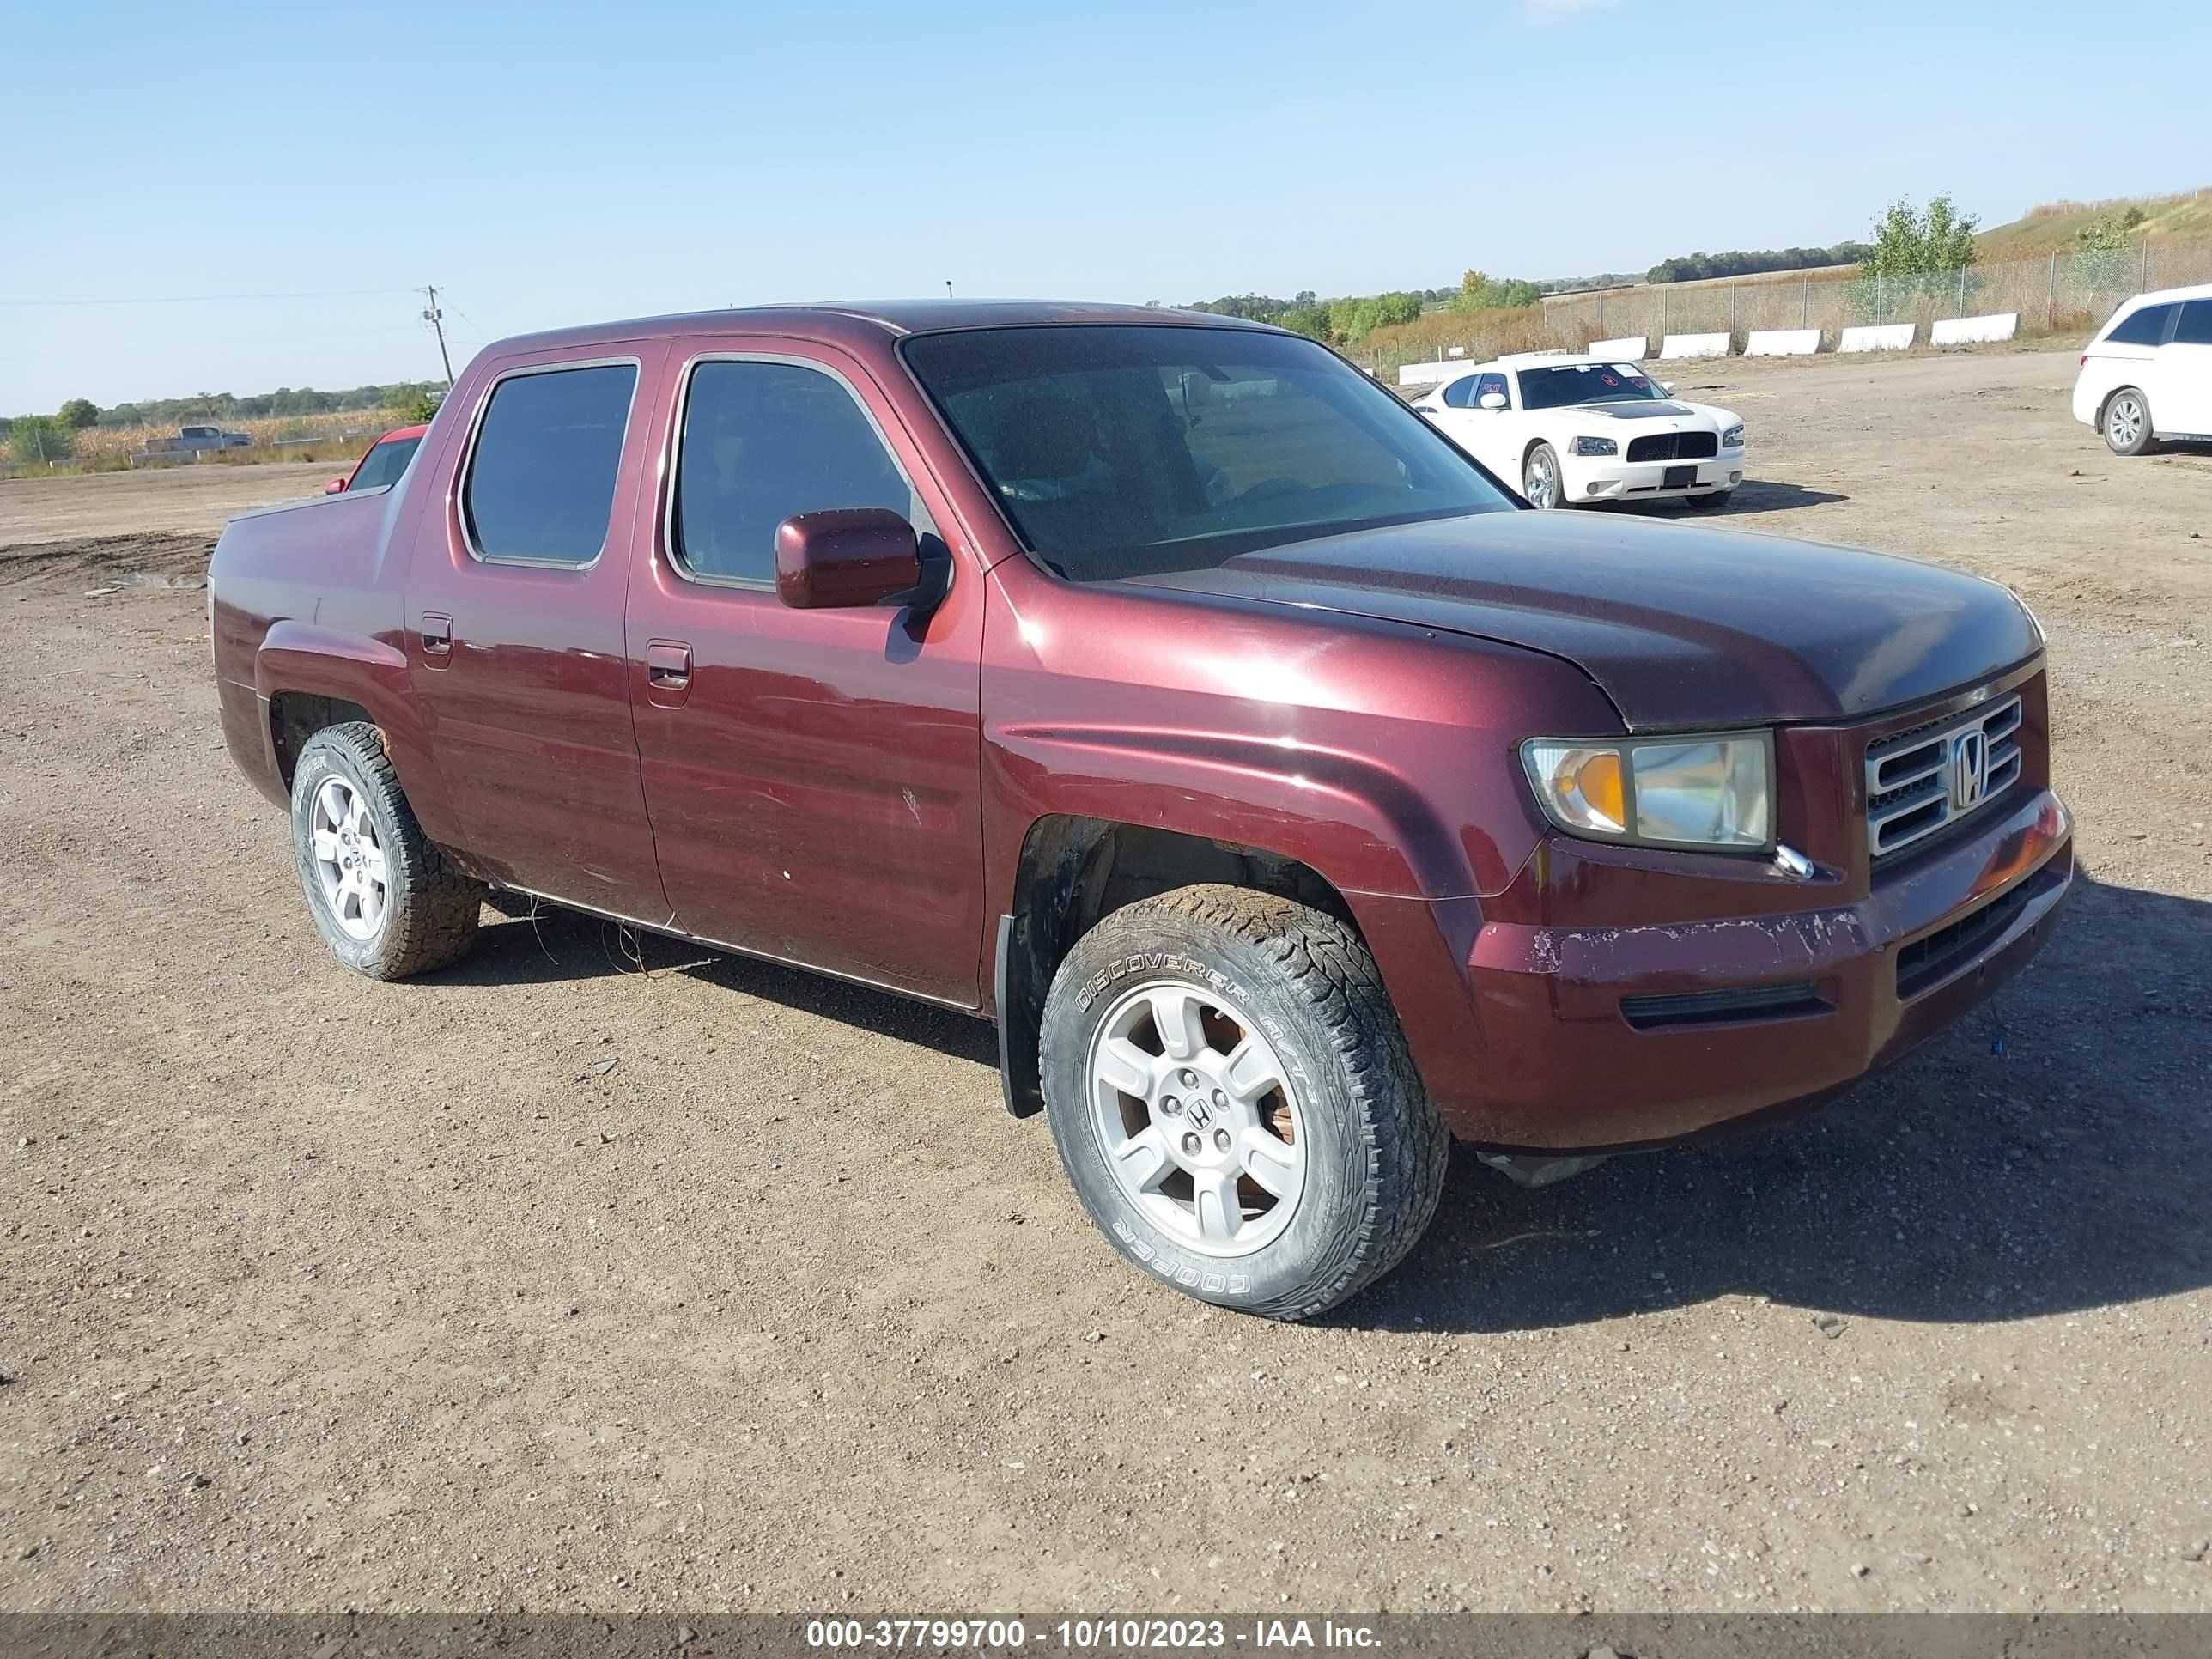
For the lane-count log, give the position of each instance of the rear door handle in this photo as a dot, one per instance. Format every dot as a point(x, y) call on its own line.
point(437, 636)
point(667, 671)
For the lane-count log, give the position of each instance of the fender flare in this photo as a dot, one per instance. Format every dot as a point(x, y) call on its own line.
point(302, 657)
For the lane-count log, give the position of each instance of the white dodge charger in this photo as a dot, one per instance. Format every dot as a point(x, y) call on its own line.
point(1572, 430)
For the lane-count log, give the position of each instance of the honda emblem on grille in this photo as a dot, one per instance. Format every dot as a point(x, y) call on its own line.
point(1970, 768)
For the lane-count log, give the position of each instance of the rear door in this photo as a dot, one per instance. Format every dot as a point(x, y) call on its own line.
point(2186, 374)
point(814, 776)
point(514, 618)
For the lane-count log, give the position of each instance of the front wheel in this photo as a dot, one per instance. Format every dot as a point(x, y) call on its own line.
point(1539, 478)
point(1233, 1101)
point(2126, 425)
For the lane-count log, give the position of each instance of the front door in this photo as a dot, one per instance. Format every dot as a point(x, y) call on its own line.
point(813, 776)
point(514, 623)
point(2186, 374)
point(1485, 434)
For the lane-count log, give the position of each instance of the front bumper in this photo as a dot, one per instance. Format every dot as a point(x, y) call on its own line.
point(1591, 1039)
point(1590, 478)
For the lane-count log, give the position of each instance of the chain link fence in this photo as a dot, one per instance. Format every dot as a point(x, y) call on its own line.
point(2061, 293)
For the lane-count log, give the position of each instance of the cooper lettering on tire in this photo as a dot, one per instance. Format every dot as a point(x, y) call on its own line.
point(385, 899)
point(1233, 1101)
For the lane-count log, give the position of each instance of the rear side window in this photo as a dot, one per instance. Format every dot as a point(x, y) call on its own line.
point(2194, 327)
point(1459, 394)
point(764, 442)
point(2146, 327)
point(385, 464)
point(541, 481)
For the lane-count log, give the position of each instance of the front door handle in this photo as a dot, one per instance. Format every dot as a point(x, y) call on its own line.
point(667, 671)
point(437, 637)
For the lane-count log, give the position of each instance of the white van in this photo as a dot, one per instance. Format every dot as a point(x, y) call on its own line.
point(2148, 373)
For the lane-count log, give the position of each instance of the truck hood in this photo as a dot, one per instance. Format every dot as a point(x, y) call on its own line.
point(1680, 626)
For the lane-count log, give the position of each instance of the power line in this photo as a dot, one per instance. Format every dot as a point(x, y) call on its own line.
point(218, 299)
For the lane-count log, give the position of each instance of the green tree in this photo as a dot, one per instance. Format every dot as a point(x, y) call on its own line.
point(79, 413)
point(39, 438)
point(418, 409)
point(1935, 240)
point(1919, 254)
point(2102, 269)
point(1477, 292)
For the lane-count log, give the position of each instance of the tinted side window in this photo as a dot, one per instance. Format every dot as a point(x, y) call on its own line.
point(385, 464)
point(541, 483)
point(2194, 327)
point(1461, 393)
point(1489, 384)
point(765, 441)
point(2146, 327)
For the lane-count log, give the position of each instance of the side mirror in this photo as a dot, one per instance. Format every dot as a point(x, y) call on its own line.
point(1667, 386)
point(1492, 400)
point(336, 486)
point(845, 557)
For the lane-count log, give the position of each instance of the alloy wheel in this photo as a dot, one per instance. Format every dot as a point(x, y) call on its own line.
point(1197, 1118)
point(349, 861)
point(2123, 421)
point(1540, 483)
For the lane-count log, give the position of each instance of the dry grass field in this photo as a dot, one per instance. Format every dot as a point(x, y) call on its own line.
point(294, 437)
point(548, 1283)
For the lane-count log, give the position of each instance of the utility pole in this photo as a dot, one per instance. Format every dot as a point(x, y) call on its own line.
point(436, 318)
point(948, 288)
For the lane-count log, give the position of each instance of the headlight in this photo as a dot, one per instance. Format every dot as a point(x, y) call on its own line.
point(1596, 447)
point(1733, 438)
point(1715, 792)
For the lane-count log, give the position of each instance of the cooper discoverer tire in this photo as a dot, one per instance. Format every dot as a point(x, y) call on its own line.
point(1233, 1101)
point(383, 897)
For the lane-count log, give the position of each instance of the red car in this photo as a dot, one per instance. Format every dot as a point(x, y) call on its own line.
point(1162, 688)
point(382, 463)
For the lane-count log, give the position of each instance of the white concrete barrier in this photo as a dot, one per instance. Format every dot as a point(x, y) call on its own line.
point(1781, 343)
point(1424, 374)
point(1974, 331)
point(1877, 336)
point(1694, 345)
point(1630, 350)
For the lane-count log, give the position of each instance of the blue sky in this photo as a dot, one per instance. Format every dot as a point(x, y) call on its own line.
point(547, 164)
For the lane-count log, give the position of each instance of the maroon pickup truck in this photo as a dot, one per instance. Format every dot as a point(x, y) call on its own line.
point(1162, 688)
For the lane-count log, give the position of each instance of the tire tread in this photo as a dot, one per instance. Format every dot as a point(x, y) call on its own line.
point(1406, 1146)
point(433, 923)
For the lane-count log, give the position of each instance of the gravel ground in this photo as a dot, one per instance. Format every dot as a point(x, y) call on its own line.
point(550, 1284)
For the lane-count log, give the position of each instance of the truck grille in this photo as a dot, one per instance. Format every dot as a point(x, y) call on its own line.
point(1675, 446)
point(1920, 779)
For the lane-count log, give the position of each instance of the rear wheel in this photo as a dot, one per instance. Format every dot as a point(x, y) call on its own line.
point(1540, 478)
point(384, 898)
point(1233, 1102)
point(2126, 422)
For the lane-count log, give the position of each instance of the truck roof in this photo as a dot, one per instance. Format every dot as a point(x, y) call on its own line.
point(893, 318)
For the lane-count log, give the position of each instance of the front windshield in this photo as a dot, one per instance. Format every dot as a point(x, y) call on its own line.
point(1585, 383)
point(1120, 451)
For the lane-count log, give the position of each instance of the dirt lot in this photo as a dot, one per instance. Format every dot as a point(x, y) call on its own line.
point(317, 1293)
